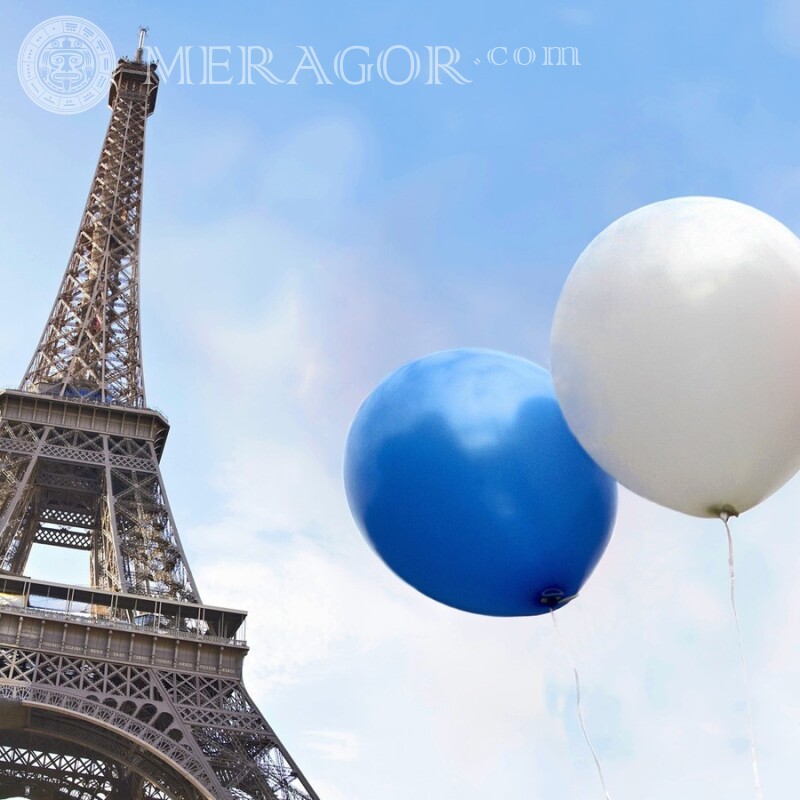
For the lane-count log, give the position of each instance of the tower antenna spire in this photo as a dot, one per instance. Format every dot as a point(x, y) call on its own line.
point(143, 31)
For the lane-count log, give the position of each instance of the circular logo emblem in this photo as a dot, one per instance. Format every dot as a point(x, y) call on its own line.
point(65, 64)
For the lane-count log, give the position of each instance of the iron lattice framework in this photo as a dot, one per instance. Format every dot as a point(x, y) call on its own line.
point(131, 687)
point(91, 345)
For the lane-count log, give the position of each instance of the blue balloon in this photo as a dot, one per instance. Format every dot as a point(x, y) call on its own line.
point(461, 472)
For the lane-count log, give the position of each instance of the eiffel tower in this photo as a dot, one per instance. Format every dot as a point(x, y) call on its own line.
point(129, 687)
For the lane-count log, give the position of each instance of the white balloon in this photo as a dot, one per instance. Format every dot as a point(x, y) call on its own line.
point(676, 353)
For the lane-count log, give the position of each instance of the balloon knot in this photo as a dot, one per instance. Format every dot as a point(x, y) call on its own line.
point(724, 512)
point(555, 597)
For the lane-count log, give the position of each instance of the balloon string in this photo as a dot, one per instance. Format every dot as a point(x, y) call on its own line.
point(578, 704)
point(724, 517)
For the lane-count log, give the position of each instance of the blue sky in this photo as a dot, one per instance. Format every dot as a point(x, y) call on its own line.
point(300, 242)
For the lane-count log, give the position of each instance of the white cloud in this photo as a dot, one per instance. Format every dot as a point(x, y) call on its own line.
point(577, 16)
point(279, 487)
point(782, 25)
point(334, 745)
point(308, 606)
